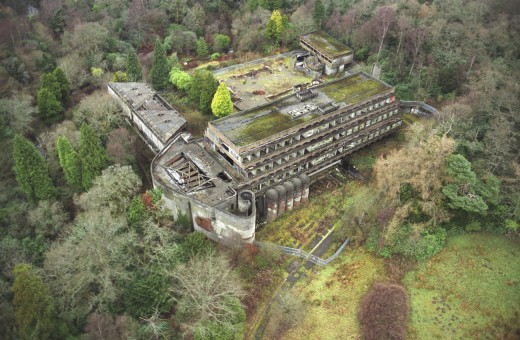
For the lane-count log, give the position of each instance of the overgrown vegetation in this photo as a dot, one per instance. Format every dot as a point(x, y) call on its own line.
point(64, 197)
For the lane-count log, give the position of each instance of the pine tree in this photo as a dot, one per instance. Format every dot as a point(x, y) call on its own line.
point(221, 105)
point(93, 156)
point(202, 90)
point(134, 71)
point(160, 68)
point(31, 170)
point(50, 109)
point(34, 311)
point(64, 85)
point(318, 13)
point(50, 82)
point(274, 27)
point(202, 48)
point(69, 161)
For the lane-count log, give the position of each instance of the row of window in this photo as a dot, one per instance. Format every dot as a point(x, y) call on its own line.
point(316, 161)
point(292, 155)
point(341, 149)
point(296, 138)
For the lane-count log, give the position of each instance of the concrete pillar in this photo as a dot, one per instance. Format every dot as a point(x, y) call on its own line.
point(281, 199)
point(297, 191)
point(306, 181)
point(289, 195)
point(271, 201)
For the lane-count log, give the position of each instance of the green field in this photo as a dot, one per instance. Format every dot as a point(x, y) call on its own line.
point(469, 290)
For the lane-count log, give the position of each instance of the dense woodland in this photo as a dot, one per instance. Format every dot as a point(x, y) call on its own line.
point(86, 247)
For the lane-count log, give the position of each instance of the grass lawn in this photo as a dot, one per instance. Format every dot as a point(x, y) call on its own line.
point(469, 290)
point(332, 294)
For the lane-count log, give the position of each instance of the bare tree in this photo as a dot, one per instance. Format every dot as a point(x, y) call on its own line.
point(382, 22)
point(207, 286)
point(415, 39)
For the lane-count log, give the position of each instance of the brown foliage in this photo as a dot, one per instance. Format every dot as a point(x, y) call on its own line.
point(384, 312)
point(105, 327)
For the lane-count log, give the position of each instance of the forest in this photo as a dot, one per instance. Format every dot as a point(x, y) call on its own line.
point(88, 250)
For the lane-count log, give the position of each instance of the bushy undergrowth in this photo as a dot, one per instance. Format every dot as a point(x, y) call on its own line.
point(384, 312)
point(420, 248)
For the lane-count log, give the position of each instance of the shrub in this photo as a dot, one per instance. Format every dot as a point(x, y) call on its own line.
point(384, 312)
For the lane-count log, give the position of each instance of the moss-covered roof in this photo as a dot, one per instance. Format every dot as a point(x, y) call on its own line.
point(326, 44)
point(262, 122)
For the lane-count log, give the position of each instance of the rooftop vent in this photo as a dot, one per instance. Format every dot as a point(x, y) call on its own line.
point(303, 110)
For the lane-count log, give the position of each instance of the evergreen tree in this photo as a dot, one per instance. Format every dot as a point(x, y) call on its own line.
point(202, 48)
point(50, 82)
point(50, 109)
point(69, 161)
point(271, 5)
point(221, 105)
point(274, 27)
point(202, 90)
point(160, 68)
point(318, 13)
point(63, 84)
point(34, 311)
point(31, 170)
point(93, 156)
point(134, 71)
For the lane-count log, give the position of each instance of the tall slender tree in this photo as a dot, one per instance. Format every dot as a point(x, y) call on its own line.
point(34, 311)
point(160, 69)
point(134, 71)
point(50, 109)
point(31, 170)
point(93, 156)
point(318, 13)
point(63, 84)
point(274, 27)
point(70, 162)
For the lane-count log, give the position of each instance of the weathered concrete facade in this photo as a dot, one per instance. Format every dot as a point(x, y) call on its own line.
point(257, 164)
point(334, 55)
point(303, 134)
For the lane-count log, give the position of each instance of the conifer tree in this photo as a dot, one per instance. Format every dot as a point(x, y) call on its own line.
point(202, 89)
point(50, 109)
point(202, 48)
point(274, 27)
point(31, 170)
point(69, 161)
point(50, 82)
point(63, 84)
point(222, 106)
point(134, 71)
point(318, 13)
point(34, 311)
point(160, 69)
point(93, 156)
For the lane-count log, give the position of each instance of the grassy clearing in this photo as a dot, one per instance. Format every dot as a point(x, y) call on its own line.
point(471, 289)
point(332, 295)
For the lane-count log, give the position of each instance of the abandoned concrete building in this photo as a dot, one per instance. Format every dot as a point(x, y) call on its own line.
point(254, 165)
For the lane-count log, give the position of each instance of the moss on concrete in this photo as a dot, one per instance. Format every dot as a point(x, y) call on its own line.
point(327, 44)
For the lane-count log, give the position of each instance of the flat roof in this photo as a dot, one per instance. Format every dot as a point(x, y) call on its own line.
point(157, 114)
point(326, 44)
point(253, 125)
